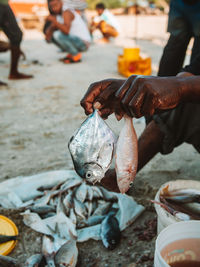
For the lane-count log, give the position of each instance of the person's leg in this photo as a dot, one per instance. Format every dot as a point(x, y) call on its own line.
point(107, 31)
point(65, 42)
point(14, 34)
point(173, 55)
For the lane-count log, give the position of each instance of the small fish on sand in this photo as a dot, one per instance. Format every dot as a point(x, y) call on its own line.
point(33, 261)
point(110, 231)
point(67, 255)
point(8, 261)
point(126, 158)
point(48, 251)
point(6, 238)
point(92, 148)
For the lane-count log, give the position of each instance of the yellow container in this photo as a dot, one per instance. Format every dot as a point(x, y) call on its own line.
point(134, 67)
point(132, 53)
point(7, 227)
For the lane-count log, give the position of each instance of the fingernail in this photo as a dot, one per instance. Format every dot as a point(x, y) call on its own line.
point(97, 105)
point(118, 117)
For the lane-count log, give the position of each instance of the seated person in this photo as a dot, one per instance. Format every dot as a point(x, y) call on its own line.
point(105, 22)
point(67, 30)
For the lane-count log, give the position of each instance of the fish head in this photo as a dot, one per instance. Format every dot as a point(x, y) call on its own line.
point(110, 243)
point(93, 172)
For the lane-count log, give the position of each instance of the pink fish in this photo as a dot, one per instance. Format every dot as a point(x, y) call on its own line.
point(126, 158)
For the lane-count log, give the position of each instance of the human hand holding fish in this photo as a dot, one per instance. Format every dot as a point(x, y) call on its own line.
point(145, 95)
point(101, 95)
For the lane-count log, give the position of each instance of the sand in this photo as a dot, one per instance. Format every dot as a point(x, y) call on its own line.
point(39, 116)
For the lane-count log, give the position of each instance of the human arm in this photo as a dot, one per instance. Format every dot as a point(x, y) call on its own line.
point(101, 95)
point(68, 16)
point(49, 32)
point(146, 95)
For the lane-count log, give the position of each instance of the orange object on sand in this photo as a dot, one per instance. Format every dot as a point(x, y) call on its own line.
point(131, 63)
point(7, 227)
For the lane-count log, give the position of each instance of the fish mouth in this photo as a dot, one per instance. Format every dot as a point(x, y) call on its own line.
point(95, 174)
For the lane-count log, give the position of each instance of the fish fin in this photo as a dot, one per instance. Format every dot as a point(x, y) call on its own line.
point(72, 236)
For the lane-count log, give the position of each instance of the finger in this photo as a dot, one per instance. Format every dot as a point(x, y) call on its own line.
point(119, 113)
point(104, 113)
point(136, 103)
point(89, 97)
point(124, 88)
point(105, 95)
point(149, 105)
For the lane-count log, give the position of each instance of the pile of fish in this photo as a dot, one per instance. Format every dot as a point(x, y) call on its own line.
point(92, 148)
point(184, 204)
point(67, 210)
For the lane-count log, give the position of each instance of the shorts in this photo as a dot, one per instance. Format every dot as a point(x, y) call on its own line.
point(9, 25)
point(179, 125)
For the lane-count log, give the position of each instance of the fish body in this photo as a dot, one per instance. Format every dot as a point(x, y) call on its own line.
point(42, 209)
point(110, 231)
point(93, 220)
point(6, 238)
point(67, 255)
point(92, 148)
point(48, 251)
point(126, 158)
point(33, 261)
point(8, 261)
point(81, 192)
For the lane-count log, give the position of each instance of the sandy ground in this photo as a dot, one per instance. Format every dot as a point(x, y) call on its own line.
point(39, 116)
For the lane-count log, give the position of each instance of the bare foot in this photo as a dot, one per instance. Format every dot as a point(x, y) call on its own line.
point(109, 181)
point(103, 41)
point(3, 84)
point(19, 76)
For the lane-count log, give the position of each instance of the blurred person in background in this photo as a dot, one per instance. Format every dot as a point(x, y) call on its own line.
point(183, 24)
point(67, 30)
point(105, 22)
point(9, 26)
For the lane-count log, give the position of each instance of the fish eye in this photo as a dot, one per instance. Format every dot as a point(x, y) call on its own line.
point(131, 184)
point(89, 174)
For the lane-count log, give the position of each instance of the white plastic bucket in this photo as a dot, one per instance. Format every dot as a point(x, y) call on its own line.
point(175, 232)
point(163, 217)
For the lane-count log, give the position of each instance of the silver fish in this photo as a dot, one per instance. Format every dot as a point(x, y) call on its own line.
point(68, 201)
point(72, 216)
point(89, 207)
point(42, 209)
point(81, 192)
point(70, 183)
point(48, 251)
point(93, 220)
point(102, 209)
point(92, 148)
point(67, 255)
point(97, 192)
point(8, 261)
point(33, 261)
point(90, 193)
point(80, 208)
point(110, 231)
